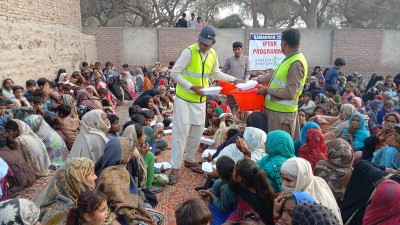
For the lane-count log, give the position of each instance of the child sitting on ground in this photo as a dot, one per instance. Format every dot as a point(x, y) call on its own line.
point(194, 212)
point(115, 127)
point(30, 88)
point(3, 116)
point(309, 105)
point(105, 102)
point(349, 92)
point(91, 208)
point(223, 200)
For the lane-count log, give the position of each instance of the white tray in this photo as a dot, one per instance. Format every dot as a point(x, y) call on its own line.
point(247, 86)
point(211, 90)
point(167, 165)
point(207, 167)
point(168, 131)
point(206, 141)
point(207, 152)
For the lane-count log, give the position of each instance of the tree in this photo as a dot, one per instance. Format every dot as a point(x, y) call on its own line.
point(232, 21)
point(137, 12)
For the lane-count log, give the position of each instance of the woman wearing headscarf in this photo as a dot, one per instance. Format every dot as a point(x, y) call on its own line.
point(362, 184)
point(253, 144)
point(92, 92)
point(71, 179)
point(92, 138)
point(23, 175)
point(31, 146)
point(358, 104)
point(139, 79)
point(280, 148)
point(337, 169)
point(283, 206)
point(357, 132)
point(113, 86)
point(123, 195)
point(303, 136)
point(382, 138)
point(19, 212)
point(7, 84)
point(55, 145)
point(389, 155)
point(137, 166)
point(150, 92)
point(387, 108)
point(127, 92)
point(337, 124)
point(69, 100)
point(85, 104)
point(372, 112)
point(315, 147)
point(384, 208)
point(297, 175)
point(312, 213)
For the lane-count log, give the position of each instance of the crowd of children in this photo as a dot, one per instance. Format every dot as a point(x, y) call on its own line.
point(343, 170)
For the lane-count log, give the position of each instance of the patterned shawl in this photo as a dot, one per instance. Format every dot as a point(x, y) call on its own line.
point(18, 212)
point(280, 148)
point(65, 187)
point(32, 148)
point(255, 140)
point(69, 100)
point(55, 145)
point(387, 135)
point(337, 170)
point(313, 213)
point(310, 184)
point(137, 160)
point(116, 182)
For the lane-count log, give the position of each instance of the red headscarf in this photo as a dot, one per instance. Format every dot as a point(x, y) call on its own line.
point(315, 147)
point(385, 205)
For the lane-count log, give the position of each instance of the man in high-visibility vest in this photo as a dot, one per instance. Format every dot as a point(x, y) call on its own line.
point(191, 71)
point(285, 87)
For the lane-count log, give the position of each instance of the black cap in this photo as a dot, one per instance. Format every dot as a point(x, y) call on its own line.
point(207, 35)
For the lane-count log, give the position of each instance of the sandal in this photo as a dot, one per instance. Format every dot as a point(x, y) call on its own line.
point(189, 164)
point(173, 177)
point(196, 169)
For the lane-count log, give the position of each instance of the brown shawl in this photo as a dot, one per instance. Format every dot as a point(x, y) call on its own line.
point(116, 182)
point(337, 170)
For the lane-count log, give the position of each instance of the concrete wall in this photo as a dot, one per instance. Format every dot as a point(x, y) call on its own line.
point(39, 37)
point(366, 51)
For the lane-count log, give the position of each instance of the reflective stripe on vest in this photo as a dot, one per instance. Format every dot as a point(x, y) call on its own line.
point(279, 81)
point(196, 73)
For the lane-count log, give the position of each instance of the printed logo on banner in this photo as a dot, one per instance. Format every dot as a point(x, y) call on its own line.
point(265, 51)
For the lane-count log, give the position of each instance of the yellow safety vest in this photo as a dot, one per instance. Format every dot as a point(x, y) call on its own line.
point(196, 73)
point(279, 81)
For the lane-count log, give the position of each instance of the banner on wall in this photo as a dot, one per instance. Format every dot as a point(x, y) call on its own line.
point(265, 51)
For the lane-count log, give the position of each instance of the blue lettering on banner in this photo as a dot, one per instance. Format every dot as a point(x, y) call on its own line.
point(265, 36)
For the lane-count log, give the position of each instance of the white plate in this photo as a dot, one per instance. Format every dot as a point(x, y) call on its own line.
point(211, 90)
point(223, 114)
point(166, 165)
point(207, 152)
point(207, 167)
point(168, 131)
point(247, 86)
point(207, 141)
